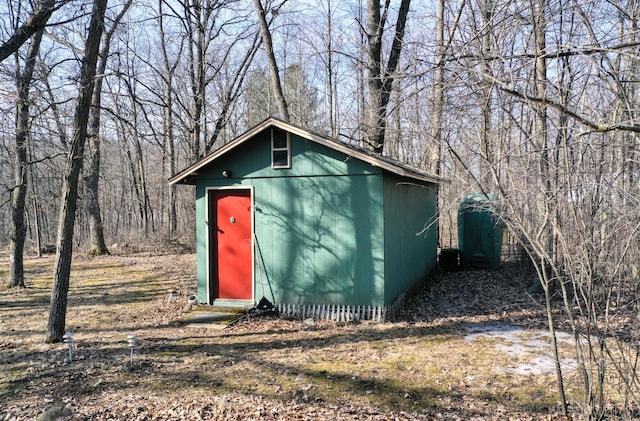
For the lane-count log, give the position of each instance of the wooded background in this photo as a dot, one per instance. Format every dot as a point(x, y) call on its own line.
point(535, 101)
point(483, 90)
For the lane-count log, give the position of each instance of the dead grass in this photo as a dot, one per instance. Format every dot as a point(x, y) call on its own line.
point(260, 369)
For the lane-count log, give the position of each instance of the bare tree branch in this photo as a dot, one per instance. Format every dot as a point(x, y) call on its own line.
point(34, 23)
point(581, 119)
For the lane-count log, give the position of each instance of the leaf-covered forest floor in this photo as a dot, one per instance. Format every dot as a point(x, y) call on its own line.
point(469, 345)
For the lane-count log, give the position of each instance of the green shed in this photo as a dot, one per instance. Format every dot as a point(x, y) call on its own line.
point(318, 227)
point(479, 232)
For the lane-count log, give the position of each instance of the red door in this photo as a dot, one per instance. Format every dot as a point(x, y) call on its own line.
point(230, 241)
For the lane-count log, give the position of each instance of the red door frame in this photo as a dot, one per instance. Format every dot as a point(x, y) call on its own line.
point(213, 195)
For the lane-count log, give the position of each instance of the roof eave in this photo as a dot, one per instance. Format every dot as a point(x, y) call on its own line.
point(183, 176)
point(191, 170)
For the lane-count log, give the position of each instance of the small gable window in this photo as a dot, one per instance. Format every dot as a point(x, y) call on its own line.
point(280, 149)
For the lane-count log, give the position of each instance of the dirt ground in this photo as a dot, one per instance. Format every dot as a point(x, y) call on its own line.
point(441, 360)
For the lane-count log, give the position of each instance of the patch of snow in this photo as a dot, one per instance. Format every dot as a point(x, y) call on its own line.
point(530, 348)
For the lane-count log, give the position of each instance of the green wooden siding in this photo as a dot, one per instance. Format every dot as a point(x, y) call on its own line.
point(408, 208)
point(332, 229)
point(317, 247)
point(253, 160)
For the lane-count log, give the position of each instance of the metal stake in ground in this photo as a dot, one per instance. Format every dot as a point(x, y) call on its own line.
point(132, 342)
point(67, 338)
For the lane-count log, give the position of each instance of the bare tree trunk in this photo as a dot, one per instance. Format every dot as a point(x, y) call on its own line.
point(360, 68)
point(276, 84)
point(435, 127)
point(486, 135)
point(541, 134)
point(193, 19)
point(381, 80)
point(330, 81)
point(19, 192)
point(34, 24)
point(145, 203)
point(167, 121)
point(62, 133)
point(36, 224)
point(66, 223)
point(97, 244)
point(377, 114)
point(91, 192)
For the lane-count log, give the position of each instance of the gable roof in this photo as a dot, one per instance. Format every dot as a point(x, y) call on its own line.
point(383, 162)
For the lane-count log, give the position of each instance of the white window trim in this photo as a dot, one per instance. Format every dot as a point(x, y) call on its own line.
point(287, 149)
